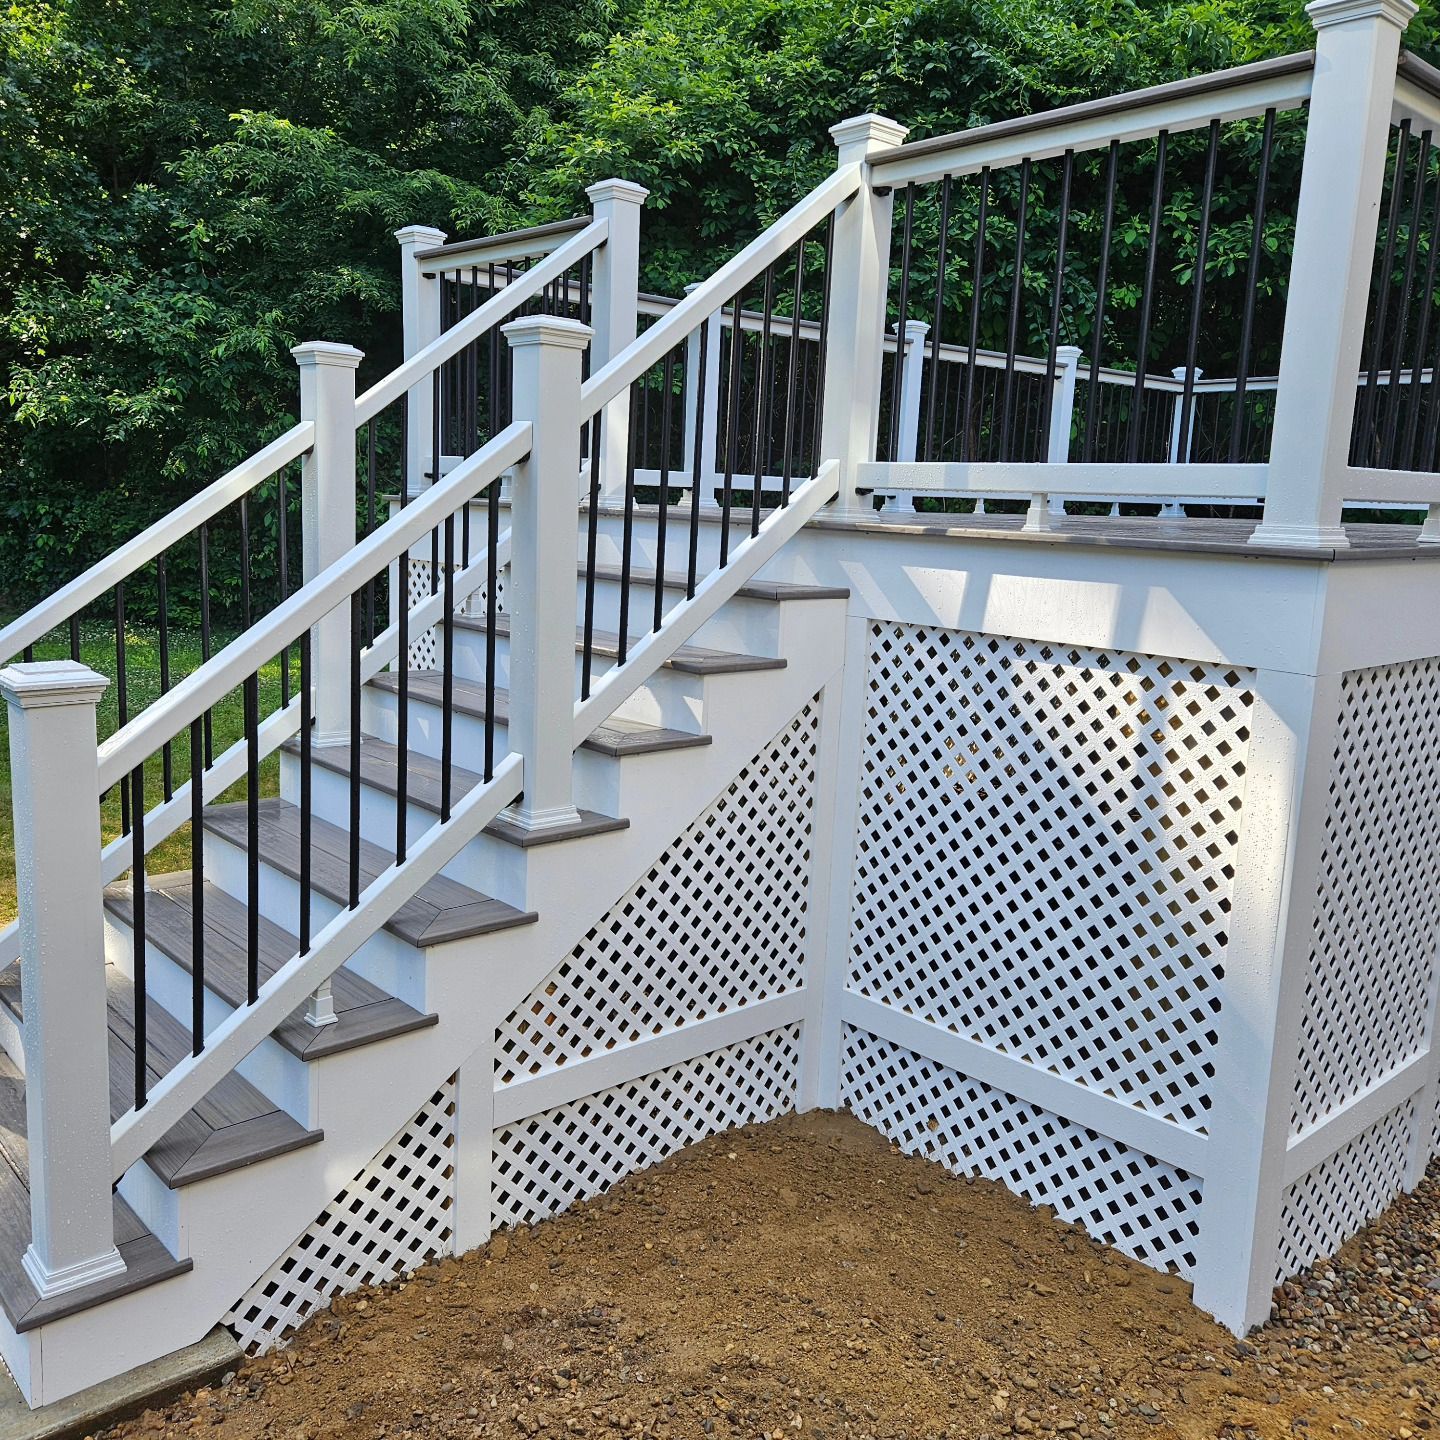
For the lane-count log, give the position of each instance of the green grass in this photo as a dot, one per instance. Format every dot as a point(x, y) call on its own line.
point(142, 682)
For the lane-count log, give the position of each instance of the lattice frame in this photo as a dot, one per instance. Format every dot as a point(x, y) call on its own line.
point(717, 923)
point(1045, 853)
point(545, 1163)
point(1143, 1206)
point(1371, 974)
point(396, 1214)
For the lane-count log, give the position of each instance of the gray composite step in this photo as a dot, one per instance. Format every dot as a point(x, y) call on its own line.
point(687, 659)
point(776, 590)
point(364, 1013)
point(440, 911)
point(616, 736)
point(146, 1259)
point(380, 770)
point(233, 1126)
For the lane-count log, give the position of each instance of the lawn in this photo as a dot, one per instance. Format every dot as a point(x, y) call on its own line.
point(142, 673)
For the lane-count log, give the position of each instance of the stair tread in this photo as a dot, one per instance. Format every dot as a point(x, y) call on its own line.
point(689, 659)
point(442, 909)
point(233, 1126)
point(364, 1012)
point(751, 590)
point(146, 1259)
point(617, 736)
point(380, 767)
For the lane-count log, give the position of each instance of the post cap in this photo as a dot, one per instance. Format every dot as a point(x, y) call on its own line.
point(1324, 13)
point(1068, 352)
point(547, 330)
point(866, 132)
point(916, 329)
point(37, 684)
point(418, 235)
point(327, 352)
point(626, 190)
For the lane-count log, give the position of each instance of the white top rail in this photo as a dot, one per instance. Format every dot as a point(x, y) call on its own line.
point(131, 746)
point(499, 307)
point(122, 563)
point(615, 378)
point(1237, 94)
point(498, 249)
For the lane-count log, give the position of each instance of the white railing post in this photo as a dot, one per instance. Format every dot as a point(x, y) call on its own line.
point(420, 319)
point(858, 283)
point(1357, 43)
point(614, 311)
point(1045, 509)
point(543, 581)
point(327, 501)
point(62, 972)
point(702, 404)
point(907, 435)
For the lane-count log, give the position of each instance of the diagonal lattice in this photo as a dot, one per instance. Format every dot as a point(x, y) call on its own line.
point(718, 922)
point(1377, 913)
point(1046, 850)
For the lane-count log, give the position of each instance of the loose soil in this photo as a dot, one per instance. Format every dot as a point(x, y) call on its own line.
point(805, 1279)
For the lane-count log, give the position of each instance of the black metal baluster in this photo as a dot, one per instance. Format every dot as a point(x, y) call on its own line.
point(662, 520)
point(252, 836)
point(307, 804)
point(1017, 294)
point(763, 380)
point(942, 245)
point(197, 887)
point(122, 701)
point(447, 675)
point(1252, 281)
point(282, 541)
point(74, 637)
point(732, 427)
point(402, 613)
point(355, 688)
point(138, 930)
point(167, 758)
point(696, 467)
point(1147, 294)
point(1392, 410)
point(370, 468)
point(1097, 334)
point(791, 378)
point(245, 607)
point(587, 643)
point(1067, 175)
point(817, 431)
point(902, 304)
point(436, 442)
point(203, 535)
point(492, 605)
point(1382, 298)
point(1419, 396)
point(1197, 296)
point(627, 542)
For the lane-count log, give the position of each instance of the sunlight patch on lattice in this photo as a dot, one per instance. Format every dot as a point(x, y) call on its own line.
point(393, 1216)
point(717, 923)
point(1142, 1206)
point(547, 1162)
point(1327, 1205)
point(1046, 852)
point(1377, 914)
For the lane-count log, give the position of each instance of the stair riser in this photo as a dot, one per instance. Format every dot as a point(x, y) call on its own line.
point(270, 1068)
point(645, 545)
point(744, 625)
point(491, 866)
point(384, 959)
point(597, 777)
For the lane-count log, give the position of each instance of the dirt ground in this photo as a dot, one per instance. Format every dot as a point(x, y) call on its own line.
point(806, 1279)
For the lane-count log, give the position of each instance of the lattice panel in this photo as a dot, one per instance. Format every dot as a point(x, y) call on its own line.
point(718, 922)
point(1122, 1196)
point(547, 1162)
point(1046, 851)
point(1327, 1205)
point(389, 1219)
point(1377, 914)
point(424, 647)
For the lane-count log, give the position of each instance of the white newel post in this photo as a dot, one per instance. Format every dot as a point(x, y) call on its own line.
point(420, 319)
point(1046, 509)
point(1357, 43)
point(614, 312)
point(327, 508)
point(907, 435)
point(702, 404)
point(543, 580)
point(62, 972)
point(858, 284)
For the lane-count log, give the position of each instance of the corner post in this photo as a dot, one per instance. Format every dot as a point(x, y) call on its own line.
point(615, 311)
point(327, 510)
point(62, 972)
point(543, 580)
point(1357, 45)
point(420, 319)
point(858, 286)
